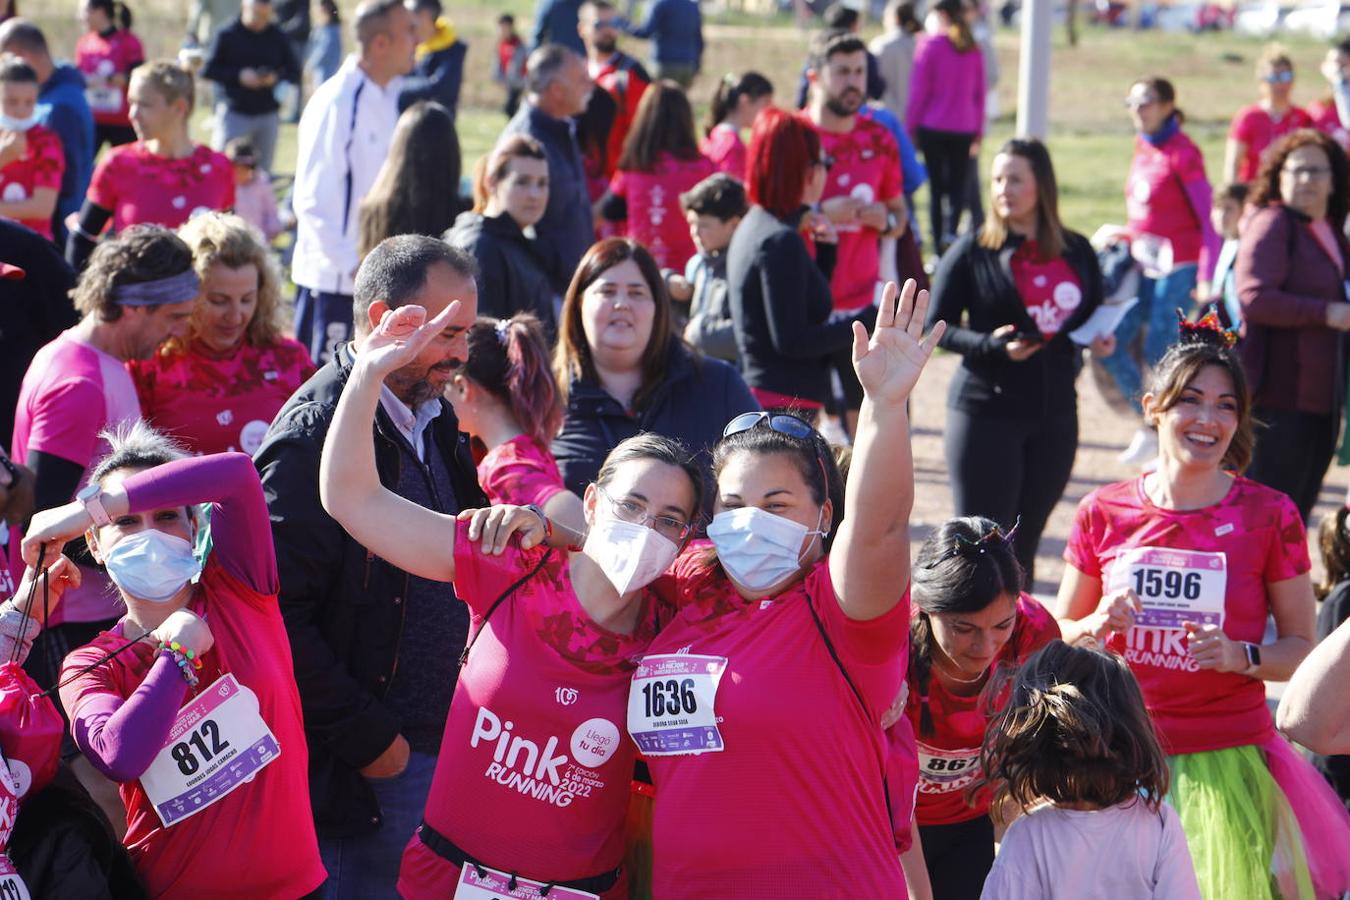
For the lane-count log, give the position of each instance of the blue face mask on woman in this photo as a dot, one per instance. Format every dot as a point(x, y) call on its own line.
point(10, 123)
point(151, 565)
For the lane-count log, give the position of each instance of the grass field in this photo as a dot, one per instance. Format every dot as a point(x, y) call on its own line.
point(1091, 137)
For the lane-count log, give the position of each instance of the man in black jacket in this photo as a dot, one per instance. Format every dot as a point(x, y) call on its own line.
point(247, 59)
point(440, 58)
point(375, 649)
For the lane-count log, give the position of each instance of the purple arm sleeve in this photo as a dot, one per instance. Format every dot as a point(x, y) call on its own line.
point(1201, 197)
point(121, 737)
point(241, 533)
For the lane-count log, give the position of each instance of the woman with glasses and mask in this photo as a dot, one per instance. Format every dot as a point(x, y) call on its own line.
point(1291, 276)
point(973, 626)
point(762, 702)
point(624, 370)
point(1261, 124)
point(532, 782)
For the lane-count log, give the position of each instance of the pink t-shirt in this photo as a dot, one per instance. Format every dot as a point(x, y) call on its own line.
point(1254, 127)
point(1125, 852)
point(1155, 198)
point(1050, 290)
point(213, 404)
point(726, 150)
point(70, 393)
point(534, 770)
point(100, 58)
point(41, 166)
point(949, 757)
point(793, 805)
point(142, 188)
point(520, 472)
point(257, 841)
point(1261, 537)
point(655, 219)
point(1327, 119)
point(866, 167)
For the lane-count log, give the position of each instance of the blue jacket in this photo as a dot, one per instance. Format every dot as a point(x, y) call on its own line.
point(675, 28)
point(63, 109)
point(693, 403)
point(555, 22)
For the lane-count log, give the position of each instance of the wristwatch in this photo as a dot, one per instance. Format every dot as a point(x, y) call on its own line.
point(548, 525)
point(892, 221)
point(1253, 655)
point(91, 495)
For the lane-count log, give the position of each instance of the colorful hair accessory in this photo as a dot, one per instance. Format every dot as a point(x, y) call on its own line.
point(963, 545)
point(178, 288)
point(1208, 330)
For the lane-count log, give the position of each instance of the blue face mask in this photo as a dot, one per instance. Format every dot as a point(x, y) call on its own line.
point(9, 123)
point(151, 565)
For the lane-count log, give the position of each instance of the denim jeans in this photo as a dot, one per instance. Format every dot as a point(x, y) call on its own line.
point(366, 868)
point(1159, 300)
point(322, 321)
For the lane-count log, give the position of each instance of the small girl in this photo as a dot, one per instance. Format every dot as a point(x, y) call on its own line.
point(735, 104)
point(254, 200)
point(1334, 591)
point(1075, 749)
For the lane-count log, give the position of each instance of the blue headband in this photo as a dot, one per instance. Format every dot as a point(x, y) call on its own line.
point(178, 288)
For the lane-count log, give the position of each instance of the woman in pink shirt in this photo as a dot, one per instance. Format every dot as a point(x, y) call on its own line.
point(1179, 570)
point(946, 114)
point(660, 161)
point(532, 782)
point(105, 54)
point(508, 403)
point(759, 708)
point(735, 103)
point(1259, 125)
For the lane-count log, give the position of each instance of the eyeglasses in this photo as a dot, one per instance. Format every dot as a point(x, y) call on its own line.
point(1312, 173)
point(826, 162)
point(1283, 76)
point(1139, 102)
point(608, 23)
point(635, 513)
point(963, 545)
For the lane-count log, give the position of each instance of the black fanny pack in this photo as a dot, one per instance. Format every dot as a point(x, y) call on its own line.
point(445, 848)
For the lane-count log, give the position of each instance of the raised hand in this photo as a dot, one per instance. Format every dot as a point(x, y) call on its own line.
point(890, 362)
point(400, 336)
point(54, 527)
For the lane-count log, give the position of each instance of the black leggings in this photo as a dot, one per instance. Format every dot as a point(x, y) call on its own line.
point(947, 156)
point(1005, 468)
point(1292, 454)
point(958, 857)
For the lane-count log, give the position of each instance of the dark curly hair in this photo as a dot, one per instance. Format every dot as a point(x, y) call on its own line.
point(139, 254)
point(1266, 185)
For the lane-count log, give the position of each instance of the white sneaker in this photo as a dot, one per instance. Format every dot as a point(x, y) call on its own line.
point(1143, 447)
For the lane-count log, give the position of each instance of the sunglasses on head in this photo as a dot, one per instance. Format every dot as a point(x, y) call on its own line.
point(791, 426)
point(963, 545)
point(1284, 76)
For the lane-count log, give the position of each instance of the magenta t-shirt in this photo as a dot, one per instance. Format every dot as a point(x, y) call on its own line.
point(1050, 290)
point(655, 219)
point(520, 472)
point(1327, 119)
point(1255, 128)
point(99, 58)
point(1156, 201)
point(535, 766)
point(70, 393)
point(1260, 535)
point(793, 805)
point(144, 189)
point(867, 168)
point(726, 150)
point(41, 166)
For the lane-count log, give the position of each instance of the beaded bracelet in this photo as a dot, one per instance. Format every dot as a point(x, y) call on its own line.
point(186, 660)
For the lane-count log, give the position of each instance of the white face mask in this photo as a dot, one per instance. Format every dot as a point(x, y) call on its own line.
point(631, 556)
point(759, 549)
point(9, 123)
point(151, 565)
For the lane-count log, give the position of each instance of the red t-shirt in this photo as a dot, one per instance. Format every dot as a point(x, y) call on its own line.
point(626, 87)
point(793, 805)
point(534, 770)
point(41, 166)
point(520, 472)
point(1327, 120)
point(726, 150)
point(1051, 290)
point(142, 188)
point(949, 757)
point(1155, 199)
point(257, 841)
point(1254, 127)
point(867, 167)
point(655, 218)
point(214, 404)
point(1260, 534)
point(100, 58)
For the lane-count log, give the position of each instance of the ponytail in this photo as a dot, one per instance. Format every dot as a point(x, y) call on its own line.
point(958, 32)
point(509, 358)
point(729, 92)
point(122, 16)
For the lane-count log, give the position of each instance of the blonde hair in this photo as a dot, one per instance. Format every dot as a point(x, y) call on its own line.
point(1273, 56)
point(217, 238)
point(169, 79)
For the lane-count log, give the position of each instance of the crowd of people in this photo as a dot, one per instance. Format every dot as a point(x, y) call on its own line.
point(615, 454)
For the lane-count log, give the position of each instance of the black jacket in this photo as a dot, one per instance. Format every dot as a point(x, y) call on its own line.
point(781, 307)
point(512, 276)
point(342, 604)
point(236, 48)
point(438, 77)
point(974, 293)
point(694, 402)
